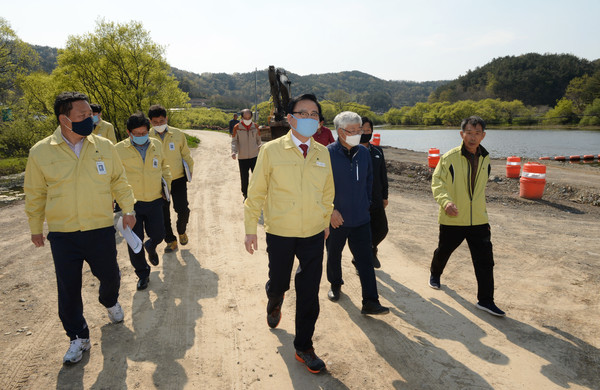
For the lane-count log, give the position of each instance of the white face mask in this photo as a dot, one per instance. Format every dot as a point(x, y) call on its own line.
point(160, 128)
point(247, 122)
point(353, 140)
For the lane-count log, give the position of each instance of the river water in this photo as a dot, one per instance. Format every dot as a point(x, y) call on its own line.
point(500, 143)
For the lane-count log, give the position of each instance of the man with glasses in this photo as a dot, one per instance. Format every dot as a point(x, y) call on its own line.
point(292, 182)
point(350, 220)
point(458, 185)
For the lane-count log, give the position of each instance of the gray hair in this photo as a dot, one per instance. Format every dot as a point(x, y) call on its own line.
point(346, 118)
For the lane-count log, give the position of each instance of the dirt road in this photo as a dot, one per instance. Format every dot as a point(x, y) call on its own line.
point(201, 323)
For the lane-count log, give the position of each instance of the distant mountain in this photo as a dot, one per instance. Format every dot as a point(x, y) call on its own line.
point(533, 78)
point(47, 57)
point(238, 90)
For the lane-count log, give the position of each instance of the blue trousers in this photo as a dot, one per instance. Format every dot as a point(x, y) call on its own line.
point(149, 217)
point(69, 251)
point(309, 251)
point(359, 242)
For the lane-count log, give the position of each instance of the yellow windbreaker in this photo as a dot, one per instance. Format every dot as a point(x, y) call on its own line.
point(296, 192)
point(73, 193)
point(144, 176)
point(175, 150)
point(105, 129)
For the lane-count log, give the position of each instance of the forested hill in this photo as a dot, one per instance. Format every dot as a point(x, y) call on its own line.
point(534, 79)
point(237, 90)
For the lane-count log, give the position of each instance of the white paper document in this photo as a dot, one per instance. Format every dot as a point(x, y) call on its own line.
point(132, 239)
point(165, 188)
point(186, 167)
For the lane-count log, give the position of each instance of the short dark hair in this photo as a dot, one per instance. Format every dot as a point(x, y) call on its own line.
point(473, 120)
point(96, 108)
point(156, 110)
point(367, 120)
point(297, 99)
point(64, 102)
point(137, 120)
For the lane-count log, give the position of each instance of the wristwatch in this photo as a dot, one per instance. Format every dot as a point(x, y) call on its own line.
point(130, 213)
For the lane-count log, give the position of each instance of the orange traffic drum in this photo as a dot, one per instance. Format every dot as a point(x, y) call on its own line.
point(513, 166)
point(533, 180)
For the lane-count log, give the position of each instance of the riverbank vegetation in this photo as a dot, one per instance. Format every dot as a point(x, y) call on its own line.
point(122, 69)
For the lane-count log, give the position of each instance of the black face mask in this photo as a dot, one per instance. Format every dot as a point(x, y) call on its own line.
point(83, 128)
point(364, 138)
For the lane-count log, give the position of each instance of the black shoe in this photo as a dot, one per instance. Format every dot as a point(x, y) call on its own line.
point(274, 312)
point(490, 308)
point(371, 307)
point(334, 293)
point(434, 282)
point(313, 363)
point(142, 283)
point(376, 263)
point(152, 255)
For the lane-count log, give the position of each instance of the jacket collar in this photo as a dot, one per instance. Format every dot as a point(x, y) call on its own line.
point(56, 137)
point(481, 151)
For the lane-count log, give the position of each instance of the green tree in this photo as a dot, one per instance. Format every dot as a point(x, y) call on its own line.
point(583, 90)
point(121, 68)
point(561, 114)
point(16, 58)
point(591, 114)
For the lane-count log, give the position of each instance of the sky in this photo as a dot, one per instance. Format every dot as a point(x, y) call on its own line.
point(420, 40)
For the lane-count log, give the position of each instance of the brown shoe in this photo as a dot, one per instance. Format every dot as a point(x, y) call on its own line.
point(171, 247)
point(183, 239)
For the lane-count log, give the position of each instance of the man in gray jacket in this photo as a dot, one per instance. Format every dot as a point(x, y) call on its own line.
point(245, 142)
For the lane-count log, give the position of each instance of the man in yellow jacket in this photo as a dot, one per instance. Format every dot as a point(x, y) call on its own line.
point(292, 182)
point(101, 127)
point(146, 166)
point(180, 161)
point(458, 185)
point(70, 181)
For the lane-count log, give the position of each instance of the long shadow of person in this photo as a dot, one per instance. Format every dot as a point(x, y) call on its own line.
point(418, 312)
point(421, 364)
point(71, 377)
point(301, 378)
point(571, 361)
point(164, 325)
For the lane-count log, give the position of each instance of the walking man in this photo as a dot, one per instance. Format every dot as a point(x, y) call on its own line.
point(379, 198)
point(233, 122)
point(70, 179)
point(145, 166)
point(177, 154)
point(101, 127)
point(294, 185)
point(350, 220)
point(245, 143)
point(458, 186)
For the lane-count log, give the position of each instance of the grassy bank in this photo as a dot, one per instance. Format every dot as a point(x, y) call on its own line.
point(10, 166)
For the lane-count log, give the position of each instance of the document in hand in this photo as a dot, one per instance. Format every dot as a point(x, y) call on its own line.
point(132, 239)
point(186, 167)
point(165, 188)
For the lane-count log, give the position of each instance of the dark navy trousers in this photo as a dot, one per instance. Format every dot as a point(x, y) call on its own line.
point(479, 240)
point(180, 205)
point(309, 252)
point(69, 251)
point(359, 242)
point(148, 217)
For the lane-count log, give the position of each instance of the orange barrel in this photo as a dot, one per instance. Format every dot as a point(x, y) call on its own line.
point(433, 158)
point(513, 166)
point(533, 180)
point(376, 139)
point(588, 156)
point(560, 158)
point(574, 158)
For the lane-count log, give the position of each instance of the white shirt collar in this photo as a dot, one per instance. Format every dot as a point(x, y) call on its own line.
point(297, 142)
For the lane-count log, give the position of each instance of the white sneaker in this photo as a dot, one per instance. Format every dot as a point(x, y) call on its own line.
point(76, 350)
point(115, 313)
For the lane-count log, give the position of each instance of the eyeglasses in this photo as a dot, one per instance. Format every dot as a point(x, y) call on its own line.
point(359, 132)
point(304, 114)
